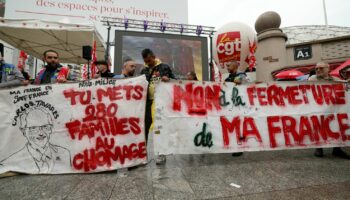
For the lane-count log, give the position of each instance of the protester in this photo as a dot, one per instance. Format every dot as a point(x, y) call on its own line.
point(312, 73)
point(103, 71)
point(10, 76)
point(53, 72)
point(155, 71)
point(26, 76)
point(345, 73)
point(191, 76)
point(237, 78)
point(129, 67)
point(322, 74)
point(234, 76)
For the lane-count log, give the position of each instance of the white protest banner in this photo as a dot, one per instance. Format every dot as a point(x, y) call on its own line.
point(78, 11)
point(204, 117)
point(90, 126)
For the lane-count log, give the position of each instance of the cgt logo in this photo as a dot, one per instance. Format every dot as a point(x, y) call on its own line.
point(228, 46)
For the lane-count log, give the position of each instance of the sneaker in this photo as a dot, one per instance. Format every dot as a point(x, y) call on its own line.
point(318, 152)
point(237, 154)
point(160, 160)
point(338, 152)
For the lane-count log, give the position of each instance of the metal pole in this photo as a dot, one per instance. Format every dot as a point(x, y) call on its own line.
point(88, 70)
point(36, 68)
point(325, 16)
point(107, 49)
point(211, 57)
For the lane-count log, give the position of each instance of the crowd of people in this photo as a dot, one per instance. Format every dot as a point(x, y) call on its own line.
point(154, 70)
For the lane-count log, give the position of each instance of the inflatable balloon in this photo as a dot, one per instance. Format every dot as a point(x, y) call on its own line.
point(235, 41)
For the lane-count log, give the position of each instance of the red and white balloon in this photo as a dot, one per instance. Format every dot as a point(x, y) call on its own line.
point(235, 41)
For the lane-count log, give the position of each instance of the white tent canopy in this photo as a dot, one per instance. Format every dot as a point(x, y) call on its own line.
point(36, 36)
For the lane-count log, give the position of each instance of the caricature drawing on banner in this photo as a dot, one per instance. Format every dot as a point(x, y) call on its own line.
point(39, 153)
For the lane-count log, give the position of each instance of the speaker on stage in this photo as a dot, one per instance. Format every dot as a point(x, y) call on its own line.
point(87, 50)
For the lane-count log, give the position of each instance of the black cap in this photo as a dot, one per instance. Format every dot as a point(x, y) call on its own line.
point(101, 62)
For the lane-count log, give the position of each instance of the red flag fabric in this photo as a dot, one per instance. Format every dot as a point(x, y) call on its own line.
point(251, 58)
point(94, 59)
point(336, 71)
point(22, 59)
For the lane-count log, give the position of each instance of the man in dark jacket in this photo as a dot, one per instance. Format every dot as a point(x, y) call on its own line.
point(155, 71)
point(103, 71)
point(53, 72)
point(129, 68)
point(234, 76)
point(237, 78)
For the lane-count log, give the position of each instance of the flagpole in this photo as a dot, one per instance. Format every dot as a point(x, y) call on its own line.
point(325, 16)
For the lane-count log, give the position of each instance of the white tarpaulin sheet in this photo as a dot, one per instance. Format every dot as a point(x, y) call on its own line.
point(198, 117)
point(36, 36)
point(91, 126)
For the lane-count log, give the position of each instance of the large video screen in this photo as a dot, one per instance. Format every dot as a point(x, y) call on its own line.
point(182, 53)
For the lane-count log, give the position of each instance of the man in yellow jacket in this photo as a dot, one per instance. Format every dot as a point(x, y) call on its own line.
point(155, 71)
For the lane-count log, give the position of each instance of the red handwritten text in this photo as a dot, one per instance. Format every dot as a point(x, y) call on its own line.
point(246, 126)
point(274, 95)
point(105, 153)
point(198, 99)
point(315, 128)
point(127, 92)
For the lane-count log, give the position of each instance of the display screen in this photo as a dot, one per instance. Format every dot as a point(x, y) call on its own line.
point(182, 53)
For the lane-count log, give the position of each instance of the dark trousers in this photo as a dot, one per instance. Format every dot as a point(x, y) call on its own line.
point(148, 117)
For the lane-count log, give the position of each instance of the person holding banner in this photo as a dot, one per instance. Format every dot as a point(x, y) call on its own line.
point(234, 76)
point(154, 71)
point(26, 76)
point(10, 75)
point(345, 73)
point(103, 71)
point(53, 72)
point(191, 76)
point(128, 70)
point(322, 74)
point(237, 78)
